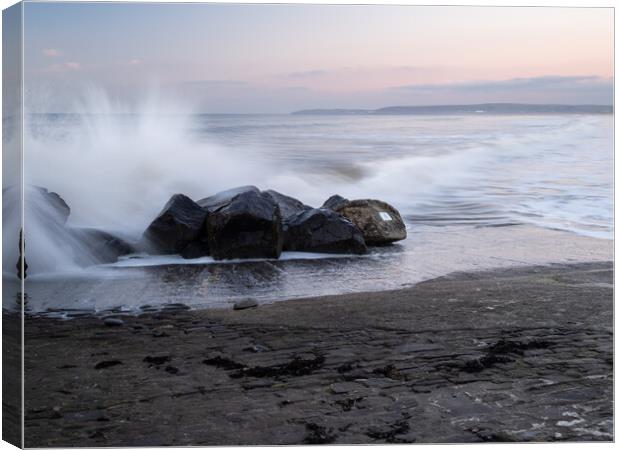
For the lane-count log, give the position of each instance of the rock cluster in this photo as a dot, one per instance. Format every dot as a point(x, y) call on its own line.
point(241, 223)
point(246, 222)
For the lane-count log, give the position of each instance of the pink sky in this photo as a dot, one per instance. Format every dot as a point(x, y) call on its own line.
point(281, 57)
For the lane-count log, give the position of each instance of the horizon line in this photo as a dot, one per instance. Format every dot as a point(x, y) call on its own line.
point(446, 105)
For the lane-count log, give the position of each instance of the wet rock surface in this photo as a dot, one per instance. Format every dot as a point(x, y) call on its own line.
point(56, 208)
point(245, 223)
point(249, 225)
point(510, 355)
point(223, 198)
point(379, 222)
point(196, 249)
point(323, 231)
point(335, 201)
point(180, 222)
point(104, 247)
point(288, 205)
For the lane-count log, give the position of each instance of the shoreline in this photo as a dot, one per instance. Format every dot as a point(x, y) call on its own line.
point(428, 253)
point(512, 354)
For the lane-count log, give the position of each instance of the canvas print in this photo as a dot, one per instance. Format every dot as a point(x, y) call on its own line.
point(281, 224)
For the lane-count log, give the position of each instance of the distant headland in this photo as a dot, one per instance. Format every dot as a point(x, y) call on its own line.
point(482, 108)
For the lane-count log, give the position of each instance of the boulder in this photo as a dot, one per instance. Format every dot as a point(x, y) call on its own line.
point(45, 206)
point(323, 231)
point(196, 249)
point(245, 225)
point(223, 198)
point(104, 247)
point(334, 202)
point(179, 223)
point(379, 222)
point(288, 205)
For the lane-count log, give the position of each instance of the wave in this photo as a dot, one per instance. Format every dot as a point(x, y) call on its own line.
point(116, 164)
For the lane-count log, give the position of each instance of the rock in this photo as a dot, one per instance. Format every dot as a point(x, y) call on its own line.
point(49, 204)
point(106, 364)
point(245, 304)
point(103, 246)
point(324, 231)
point(179, 223)
point(379, 222)
point(113, 322)
point(46, 214)
point(334, 202)
point(223, 198)
point(196, 249)
point(249, 225)
point(288, 205)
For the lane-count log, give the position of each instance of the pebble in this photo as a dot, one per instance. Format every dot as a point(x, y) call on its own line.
point(245, 304)
point(113, 322)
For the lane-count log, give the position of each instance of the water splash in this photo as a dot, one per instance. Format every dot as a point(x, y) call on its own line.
point(117, 163)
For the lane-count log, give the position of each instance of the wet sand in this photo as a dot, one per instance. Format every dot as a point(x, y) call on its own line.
point(427, 253)
point(514, 354)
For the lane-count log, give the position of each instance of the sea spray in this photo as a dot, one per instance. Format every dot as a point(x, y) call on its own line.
point(117, 163)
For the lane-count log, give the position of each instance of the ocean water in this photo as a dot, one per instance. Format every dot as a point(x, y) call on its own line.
point(449, 175)
point(548, 170)
point(551, 171)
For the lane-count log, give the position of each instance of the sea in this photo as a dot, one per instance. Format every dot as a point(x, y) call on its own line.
point(462, 183)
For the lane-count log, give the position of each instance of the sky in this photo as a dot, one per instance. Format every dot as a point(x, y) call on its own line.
point(226, 58)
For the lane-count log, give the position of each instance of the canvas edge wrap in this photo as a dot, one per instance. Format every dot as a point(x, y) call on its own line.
point(12, 223)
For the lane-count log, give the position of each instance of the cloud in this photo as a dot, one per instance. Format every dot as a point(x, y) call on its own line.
point(134, 62)
point(355, 78)
point(358, 71)
point(533, 83)
point(52, 52)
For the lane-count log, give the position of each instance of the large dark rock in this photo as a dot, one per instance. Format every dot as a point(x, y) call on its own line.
point(334, 202)
point(379, 222)
point(245, 225)
point(196, 249)
point(58, 203)
point(223, 198)
point(180, 222)
point(288, 205)
point(48, 207)
point(103, 247)
point(323, 231)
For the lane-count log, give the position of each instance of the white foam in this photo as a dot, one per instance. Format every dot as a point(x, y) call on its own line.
point(117, 171)
point(166, 260)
